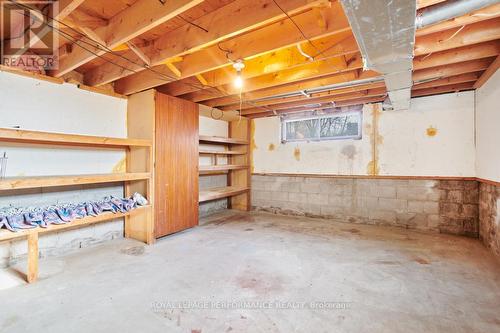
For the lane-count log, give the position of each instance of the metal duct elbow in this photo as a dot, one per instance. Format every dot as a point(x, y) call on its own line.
point(448, 10)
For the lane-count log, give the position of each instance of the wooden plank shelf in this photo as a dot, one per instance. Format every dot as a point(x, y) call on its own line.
point(222, 152)
point(51, 181)
point(224, 167)
point(221, 192)
point(222, 140)
point(34, 137)
point(6, 235)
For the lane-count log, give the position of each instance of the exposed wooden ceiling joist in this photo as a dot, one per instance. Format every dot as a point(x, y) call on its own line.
point(272, 37)
point(442, 89)
point(286, 58)
point(488, 73)
point(131, 22)
point(245, 15)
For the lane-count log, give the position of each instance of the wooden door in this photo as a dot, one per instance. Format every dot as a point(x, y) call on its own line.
point(176, 176)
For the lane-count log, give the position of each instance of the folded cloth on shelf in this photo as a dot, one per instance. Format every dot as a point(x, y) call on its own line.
point(119, 204)
point(89, 207)
point(34, 216)
point(5, 223)
point(80, 211)
point(64, 213)
point(107, 206)
point(50, 216)
point(139, 199)
point(15, 219)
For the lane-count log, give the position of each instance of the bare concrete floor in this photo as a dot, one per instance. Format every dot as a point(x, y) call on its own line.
point(371, 279)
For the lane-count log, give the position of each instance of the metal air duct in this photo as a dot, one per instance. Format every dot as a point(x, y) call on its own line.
point(385, 32)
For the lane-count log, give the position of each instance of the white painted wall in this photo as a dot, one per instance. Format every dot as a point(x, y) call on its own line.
point(212, 127)
point(45, 106)
point(405, 147)
point(488, 129)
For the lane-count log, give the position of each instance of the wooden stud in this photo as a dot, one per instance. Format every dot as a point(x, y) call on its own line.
point(138, 52)
point(174, 69)
point(488, 73)
point(32, 273)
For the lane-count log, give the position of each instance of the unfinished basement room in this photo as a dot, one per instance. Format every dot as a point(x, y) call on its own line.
point(228, 166)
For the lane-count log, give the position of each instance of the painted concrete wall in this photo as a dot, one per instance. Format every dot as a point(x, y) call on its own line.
point(212, 127)
point(44, 106)
point(487, 129)
point(434, 138)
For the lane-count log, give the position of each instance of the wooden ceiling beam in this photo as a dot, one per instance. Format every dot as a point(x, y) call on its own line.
point(442, 89)
point(355, 101)
point(454, 55)
point(427, 3)
point(271, 102)
point(453, 38)
point(66, 7)
point(129, 23)
point(307, 71)
point(292, 87)
point(320, 100)
point(435, 73)
point(455, 81)
point(461, 78)
point(271, 62)
point(461, 54)
point(450, 70)
point(255, 43)
point(488, 73)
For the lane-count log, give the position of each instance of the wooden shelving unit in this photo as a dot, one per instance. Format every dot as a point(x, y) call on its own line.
point(237, 153)
point(17, 183)
point(221, 152)
point(9, 235)
point(138, 222)
point(221, 192)
point(222, 140)
point(224, 167)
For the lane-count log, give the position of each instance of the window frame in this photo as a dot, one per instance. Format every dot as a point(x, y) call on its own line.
point(284, 121)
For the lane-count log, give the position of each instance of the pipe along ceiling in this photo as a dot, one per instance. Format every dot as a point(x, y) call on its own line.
point(385, 33)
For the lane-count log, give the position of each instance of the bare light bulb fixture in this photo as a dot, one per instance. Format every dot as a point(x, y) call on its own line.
point(238, 80)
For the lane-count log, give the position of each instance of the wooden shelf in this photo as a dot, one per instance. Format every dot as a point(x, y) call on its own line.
point(225, 167)
point(221, 140)
point(33, 137)
point(223, 152)
point(51, 181)
point(221, 192)
point(6, 235)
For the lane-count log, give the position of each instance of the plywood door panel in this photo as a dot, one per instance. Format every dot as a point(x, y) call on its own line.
point(176, 165)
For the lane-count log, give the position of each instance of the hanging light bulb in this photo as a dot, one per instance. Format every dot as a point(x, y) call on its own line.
point(238, 66)
point(238, 81)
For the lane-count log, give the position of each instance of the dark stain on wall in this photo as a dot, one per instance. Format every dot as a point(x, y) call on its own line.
point(489, 219)
point(458, 207)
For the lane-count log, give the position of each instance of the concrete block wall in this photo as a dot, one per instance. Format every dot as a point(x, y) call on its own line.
point(489, 216)
point(211, 207)
point(54, 244)
point(431, 205)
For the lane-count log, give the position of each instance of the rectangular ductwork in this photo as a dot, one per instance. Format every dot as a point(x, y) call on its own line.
point(385, 32)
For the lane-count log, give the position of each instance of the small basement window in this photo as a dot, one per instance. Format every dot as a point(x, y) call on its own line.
point(340, 126)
